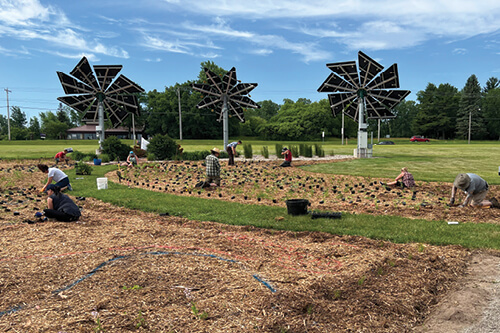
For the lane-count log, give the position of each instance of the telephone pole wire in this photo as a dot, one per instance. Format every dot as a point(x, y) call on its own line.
point(8, 111)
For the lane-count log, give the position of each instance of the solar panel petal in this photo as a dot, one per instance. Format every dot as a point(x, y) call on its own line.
point(388, 79)
point(242, 89)
point(83, 72)
point(368, 69)
point(124, 85)
point(72, 85)
point(335, 83)
point(347, 70)
point(106, 74)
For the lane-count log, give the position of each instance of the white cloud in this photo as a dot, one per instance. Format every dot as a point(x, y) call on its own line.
point(459, 51)
point(30, 20)
point(377, 24)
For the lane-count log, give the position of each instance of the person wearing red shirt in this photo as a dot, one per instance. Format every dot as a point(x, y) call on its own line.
point(288, 157)
point(61, 156)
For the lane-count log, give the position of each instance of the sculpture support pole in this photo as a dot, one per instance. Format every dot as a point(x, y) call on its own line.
point(100, 130)
point(225, 121)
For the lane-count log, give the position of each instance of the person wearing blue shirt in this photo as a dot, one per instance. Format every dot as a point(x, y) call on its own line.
point(231, 151)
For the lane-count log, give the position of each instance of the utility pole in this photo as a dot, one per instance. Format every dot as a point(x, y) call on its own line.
point(8, 111)
point(180, 115)
point(470, 120)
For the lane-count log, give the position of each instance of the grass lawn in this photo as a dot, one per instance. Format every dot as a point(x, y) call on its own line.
point(434, 161)
point(393, 228)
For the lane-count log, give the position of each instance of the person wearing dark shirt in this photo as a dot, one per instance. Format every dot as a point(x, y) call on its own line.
point(60, 206)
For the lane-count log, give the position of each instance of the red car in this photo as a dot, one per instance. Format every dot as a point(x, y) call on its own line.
point(418, 138)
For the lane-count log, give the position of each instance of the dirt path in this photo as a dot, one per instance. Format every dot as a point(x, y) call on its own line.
point(474, 307)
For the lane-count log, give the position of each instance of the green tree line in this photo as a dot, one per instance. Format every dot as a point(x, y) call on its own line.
point(440, 112)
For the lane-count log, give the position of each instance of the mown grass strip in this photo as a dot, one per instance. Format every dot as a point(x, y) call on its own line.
point(391, 228)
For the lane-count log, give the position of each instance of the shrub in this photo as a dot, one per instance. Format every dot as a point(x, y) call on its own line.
point(151, 157)
point(247, 150)
point(87, 158)
point(77, 155)
point(115, 149)
point(82, 168)
point(318, 149)
point(302, 149)
point(104, 158)
point(265, 151)
point(295, 151)
point(308, 150)
point(277, 149)
point(163, 147)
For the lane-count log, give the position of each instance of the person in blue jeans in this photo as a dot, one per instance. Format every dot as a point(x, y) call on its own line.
point(231, 151)
point(59, 206)
point(54, 174)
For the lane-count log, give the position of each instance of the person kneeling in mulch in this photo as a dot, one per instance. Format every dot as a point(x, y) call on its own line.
point(475, 188)
point(404, 180)
point(288, 157)
point(60, 206)
point(213, 167)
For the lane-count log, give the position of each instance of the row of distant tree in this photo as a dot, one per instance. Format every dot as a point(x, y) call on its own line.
point(441, 112)
point(52, 125)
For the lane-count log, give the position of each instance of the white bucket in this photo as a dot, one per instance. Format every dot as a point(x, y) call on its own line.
point(102, 183)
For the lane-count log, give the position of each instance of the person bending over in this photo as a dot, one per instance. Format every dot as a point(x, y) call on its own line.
point(54, 174)
point(475, 189)
point(60, 156)
point(231, 151)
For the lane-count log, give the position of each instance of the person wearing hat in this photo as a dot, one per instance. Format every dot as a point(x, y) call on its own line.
point(60, 206)
point(54, 174)
point(231, 151)
point(475, 188)
point(131, 160)
point(213, 167)
point(288, 157)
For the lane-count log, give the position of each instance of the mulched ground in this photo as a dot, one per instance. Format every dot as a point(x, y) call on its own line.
point(264, 182)
point(118, 270)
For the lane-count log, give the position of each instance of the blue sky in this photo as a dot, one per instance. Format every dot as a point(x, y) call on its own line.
point(283, 45)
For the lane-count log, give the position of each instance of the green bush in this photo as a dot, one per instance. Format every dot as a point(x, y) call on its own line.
point(163, 147)
point(151, 157)
point(79, 156)
point(319, 151)
point(247, 150)
point(115, 149)
point(104, 158)
point(265, 151)
point(87, 158)
point(302, 149)
point(82, 168)
point(277, 149)
point(295, 151)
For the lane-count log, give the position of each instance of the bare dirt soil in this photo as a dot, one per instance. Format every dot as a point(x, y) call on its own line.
point(118, 270)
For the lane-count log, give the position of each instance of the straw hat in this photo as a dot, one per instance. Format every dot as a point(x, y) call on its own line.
point(462, 181)
point(215, 150)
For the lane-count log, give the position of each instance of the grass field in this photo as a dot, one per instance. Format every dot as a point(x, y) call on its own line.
point(435, 161)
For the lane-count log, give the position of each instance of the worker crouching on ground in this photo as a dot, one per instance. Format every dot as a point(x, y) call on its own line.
point(213, 167)
point(288, 157)
point(59, 206)
point(404, 180)
point(475, 189)
point(62, 155)
point(54, 174)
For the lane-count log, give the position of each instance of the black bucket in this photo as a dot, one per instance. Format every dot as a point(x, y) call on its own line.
point(297, 206)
